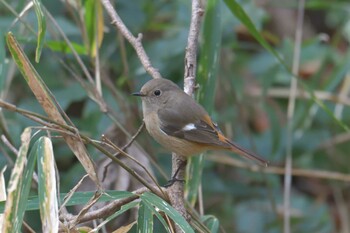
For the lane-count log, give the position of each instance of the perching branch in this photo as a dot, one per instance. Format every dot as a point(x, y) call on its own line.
point(176, 191)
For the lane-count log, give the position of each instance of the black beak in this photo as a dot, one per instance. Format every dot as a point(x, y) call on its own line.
point(138, 94)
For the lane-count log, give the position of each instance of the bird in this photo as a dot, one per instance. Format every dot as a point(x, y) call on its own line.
point(178, 123)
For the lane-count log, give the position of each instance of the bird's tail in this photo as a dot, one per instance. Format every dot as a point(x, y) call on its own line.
point(241, 151)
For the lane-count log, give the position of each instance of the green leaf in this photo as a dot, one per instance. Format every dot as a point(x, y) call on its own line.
point(160, 217)
point(16, 191)
point(210, 53)
point(212, 222)
point(162, 205)
point(145, 219)
point(27, 178)
point(78, 198)
point(194, 177)
point(123, 209)
point(41, 28)
point(61, 46)
point(239, 12)
point(47, 186)
point(49, 103)
point(94, 25)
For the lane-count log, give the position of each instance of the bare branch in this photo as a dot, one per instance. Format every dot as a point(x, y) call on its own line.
point(44, 121)
point(108, 209)
point(176, 191)
point(105, 169)
point(135, 42)
point(290, 115)
point(191, 49)
point(280, 92)
point(311, 173)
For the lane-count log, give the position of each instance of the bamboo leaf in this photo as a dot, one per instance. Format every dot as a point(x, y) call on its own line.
point(239, 12)
point(212, 222)
point(13, 214)
point(47, 186)
point(2, 194)
point(123, 209)
point(145, 219)
point(94, 25)
point(162, 205)
point(78, 198)
point(125, 229)
point(46, 100)
point(41, 28)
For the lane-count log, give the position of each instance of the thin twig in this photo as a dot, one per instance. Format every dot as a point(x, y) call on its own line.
point(123, 55)
point(27, 227)
point(332, 142)
point(74, 52)
point(8, 157)
point(110, 208)
point(93, 200)
point(111, 144)
point(277, 92)
point(71, 192)
point(343, 92)
point(43, 120)
point(290, 114)
point(105, 169)
point(342, 209)
point(9, 145)
point(310, 173)
point(19, 16)
point(135, 42)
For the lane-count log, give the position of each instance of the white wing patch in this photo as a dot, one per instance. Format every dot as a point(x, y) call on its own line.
point(189, 127)
point(163, 131)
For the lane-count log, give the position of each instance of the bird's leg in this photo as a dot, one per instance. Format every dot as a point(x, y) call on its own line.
point(174, 177)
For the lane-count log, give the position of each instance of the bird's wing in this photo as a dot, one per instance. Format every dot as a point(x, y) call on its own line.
point(188, 126)
point(191, 127)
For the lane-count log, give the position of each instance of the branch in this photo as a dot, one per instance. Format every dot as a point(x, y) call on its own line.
point(108, 209)
point(290, 116)
point(74, 132)
point(283, 93)
point(135, 42)
point(310, 173)
point(191, 49)
point(105, 169)
point(176, 191)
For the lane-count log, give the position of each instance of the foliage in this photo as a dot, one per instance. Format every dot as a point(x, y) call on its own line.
point(84, 72)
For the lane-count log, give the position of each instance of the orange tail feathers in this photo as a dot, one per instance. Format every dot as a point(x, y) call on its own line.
point(243, 152)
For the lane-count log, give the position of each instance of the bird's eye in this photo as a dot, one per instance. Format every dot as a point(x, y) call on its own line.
point(157, 92)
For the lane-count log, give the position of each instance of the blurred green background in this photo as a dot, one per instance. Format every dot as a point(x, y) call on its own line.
point(241, 83)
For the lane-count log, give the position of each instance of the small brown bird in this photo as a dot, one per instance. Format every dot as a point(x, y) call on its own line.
point(180, 124)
